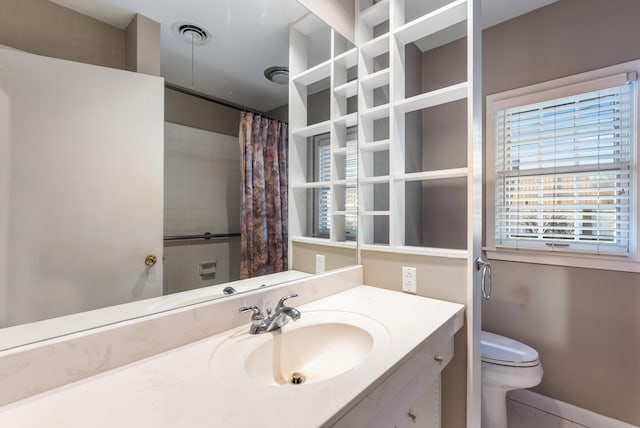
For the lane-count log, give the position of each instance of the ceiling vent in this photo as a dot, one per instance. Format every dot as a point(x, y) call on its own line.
point(278, 74)
point(192, 33)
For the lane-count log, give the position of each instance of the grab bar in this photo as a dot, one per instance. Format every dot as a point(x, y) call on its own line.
point(205, 235)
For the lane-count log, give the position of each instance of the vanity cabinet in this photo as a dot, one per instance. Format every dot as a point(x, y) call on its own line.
point(409, 397)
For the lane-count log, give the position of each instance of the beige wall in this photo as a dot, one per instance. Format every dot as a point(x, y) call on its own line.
point(438, 278)
point(142, 37)
point(45, 28)
point(183, 109)
point(585, 323)
point(279, 113)
point(304, 257)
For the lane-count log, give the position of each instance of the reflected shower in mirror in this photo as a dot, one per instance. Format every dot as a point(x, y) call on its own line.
point(102, 222)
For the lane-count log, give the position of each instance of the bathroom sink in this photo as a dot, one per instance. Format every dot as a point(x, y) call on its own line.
point(320, 346)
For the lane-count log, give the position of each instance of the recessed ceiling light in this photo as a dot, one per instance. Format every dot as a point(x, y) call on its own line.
point(278, 74)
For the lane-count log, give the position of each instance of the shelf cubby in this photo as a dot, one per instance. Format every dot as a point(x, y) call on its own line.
point(347, 59)
point(347, 90)
point(433, 22)
point(376, 47)
point(375, 113)
point(311, 130)
point(375, 14)
point(433, 98)
point(375, 146)
point(375, 80)
point(314, 75)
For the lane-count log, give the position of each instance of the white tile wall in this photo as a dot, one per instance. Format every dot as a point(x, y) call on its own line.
point(202, 194)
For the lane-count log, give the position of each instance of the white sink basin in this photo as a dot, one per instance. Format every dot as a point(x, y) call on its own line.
point(319, 346)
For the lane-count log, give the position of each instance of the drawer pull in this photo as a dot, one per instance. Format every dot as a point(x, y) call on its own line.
point(438, 358)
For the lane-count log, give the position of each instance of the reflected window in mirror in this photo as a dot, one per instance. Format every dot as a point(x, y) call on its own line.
point(345, 198)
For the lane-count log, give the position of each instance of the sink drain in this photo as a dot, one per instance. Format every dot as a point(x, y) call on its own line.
point(296, 378)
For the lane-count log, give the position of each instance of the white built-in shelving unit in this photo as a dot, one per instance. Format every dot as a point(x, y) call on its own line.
point(391, 168)
point(321, 60)
point(383, 30)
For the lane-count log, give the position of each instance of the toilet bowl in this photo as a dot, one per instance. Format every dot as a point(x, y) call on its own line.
point(506, 364)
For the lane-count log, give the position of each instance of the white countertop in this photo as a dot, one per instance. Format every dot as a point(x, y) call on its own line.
point(179, 388)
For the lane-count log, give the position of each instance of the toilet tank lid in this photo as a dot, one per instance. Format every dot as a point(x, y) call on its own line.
point(496, 348)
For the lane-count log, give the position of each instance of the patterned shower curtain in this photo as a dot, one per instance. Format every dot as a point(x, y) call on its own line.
point(264, 241)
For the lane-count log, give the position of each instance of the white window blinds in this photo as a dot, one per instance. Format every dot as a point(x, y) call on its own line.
point(348, 192)
point(351, 191)
point(564, 173)
point(324, 193)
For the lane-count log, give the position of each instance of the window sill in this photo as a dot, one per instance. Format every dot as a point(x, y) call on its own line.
point(623, 264)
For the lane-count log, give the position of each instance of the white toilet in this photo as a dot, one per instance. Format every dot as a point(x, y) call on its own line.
point(506, 364)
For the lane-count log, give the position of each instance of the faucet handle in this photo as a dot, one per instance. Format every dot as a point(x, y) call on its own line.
point(287, 297)
point(257, 313)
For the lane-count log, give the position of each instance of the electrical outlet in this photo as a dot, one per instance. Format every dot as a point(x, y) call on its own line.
point(319, 263)
point(409, 279)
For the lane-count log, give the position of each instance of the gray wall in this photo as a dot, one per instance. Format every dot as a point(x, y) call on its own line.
point(584, 322)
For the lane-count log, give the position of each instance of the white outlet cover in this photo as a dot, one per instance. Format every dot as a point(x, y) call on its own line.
point(409, 279)
point(319, 263)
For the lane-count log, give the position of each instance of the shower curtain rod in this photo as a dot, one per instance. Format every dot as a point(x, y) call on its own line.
point(205, 235)
point(215, 100)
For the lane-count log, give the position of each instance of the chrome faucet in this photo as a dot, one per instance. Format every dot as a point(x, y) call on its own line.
point(281, 316)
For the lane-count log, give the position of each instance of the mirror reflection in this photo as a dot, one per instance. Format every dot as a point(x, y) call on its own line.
point(102, 221)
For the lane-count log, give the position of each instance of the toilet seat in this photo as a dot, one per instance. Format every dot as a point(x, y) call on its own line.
point(503, 351)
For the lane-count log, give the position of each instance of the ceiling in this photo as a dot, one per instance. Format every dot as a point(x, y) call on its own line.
point(248, 36)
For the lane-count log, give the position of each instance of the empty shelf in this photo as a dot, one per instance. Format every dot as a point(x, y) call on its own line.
point(376, 113)
point(348, 89)
point(423, 251)
point(376, 47)
point(344, 151)
point(323, 241)
point(375, 146)
point(375, 213)
point(375, 80)
point(314, 74)
point(433, 175)
point(347, 120)
point(311, 130)
point(433, 22)
point(378, 179)
point(433, 98)
point(345, 182)
point(376, 14)
point(313, 185)
point(348, 59)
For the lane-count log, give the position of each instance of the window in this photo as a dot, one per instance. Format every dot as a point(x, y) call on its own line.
point(322, 196)
point(564, 162)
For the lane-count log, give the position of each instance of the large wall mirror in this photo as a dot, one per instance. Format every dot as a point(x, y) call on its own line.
point(81, 211)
